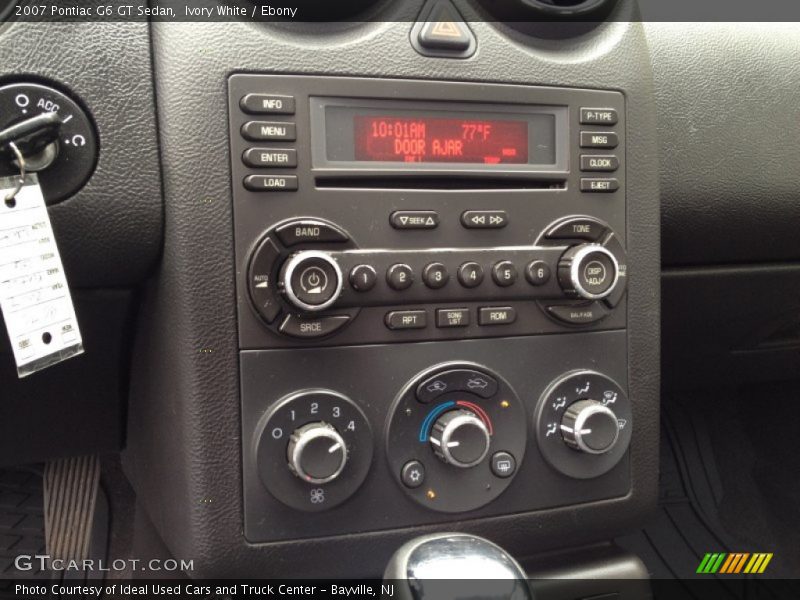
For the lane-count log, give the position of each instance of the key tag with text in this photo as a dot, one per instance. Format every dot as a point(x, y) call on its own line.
point(34, 296)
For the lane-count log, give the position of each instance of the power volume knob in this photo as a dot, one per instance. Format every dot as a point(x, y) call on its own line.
point(460, 438)
point(311, 280)
point(589, 426)
point(588, 271)
point(316, 453)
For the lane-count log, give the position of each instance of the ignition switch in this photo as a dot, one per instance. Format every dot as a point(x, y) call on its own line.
point(62, 145)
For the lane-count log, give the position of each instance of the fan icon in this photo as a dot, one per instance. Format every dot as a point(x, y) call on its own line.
point(317, 496)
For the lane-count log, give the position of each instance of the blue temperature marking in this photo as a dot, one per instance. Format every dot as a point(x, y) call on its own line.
point(426, 424)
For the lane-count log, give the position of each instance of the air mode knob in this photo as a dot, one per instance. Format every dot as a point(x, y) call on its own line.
point(316, 453)
point(311, 280)
point(588, 271)
point(590, 426)
point(460, 438)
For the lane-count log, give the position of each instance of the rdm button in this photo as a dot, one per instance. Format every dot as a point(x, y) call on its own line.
point(500, 315)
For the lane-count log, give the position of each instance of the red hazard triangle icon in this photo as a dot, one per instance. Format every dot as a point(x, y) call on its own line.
point(443, 28)
point(446, 29)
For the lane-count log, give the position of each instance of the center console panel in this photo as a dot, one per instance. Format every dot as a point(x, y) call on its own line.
point(431, 293)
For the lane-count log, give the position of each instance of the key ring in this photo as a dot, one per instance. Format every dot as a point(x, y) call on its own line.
point(21, 162)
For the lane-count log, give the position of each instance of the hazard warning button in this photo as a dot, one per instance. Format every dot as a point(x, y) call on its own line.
point(443, 30)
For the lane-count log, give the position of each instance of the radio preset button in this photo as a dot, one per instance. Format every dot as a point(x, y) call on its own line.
point(407, 319)
point(504, 273)
point(302, 327)
point(271, 183)
point(269, 131)
point(452, 317)
point(592, 162)
point(363, 278)
point(309, 231)
point(270, 157)
point(263, 104)
point(399, 277)
point(496, 315)
point(484, 219)
point(537, 272)
point(435, 275)
point(599, 139)
point(598, 116)
point(470, 274)
point(599, 184)
point(414, 219)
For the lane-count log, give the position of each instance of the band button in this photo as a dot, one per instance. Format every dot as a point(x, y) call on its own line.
point(309, 231)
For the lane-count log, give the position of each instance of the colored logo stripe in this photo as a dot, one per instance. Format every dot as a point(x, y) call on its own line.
point(734, 563)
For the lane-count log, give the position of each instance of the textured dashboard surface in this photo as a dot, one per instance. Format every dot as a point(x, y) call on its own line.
point(184, 433)
point(109, 233)
point(729, 120)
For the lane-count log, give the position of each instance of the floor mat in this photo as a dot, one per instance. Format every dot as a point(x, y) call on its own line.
point(689, 522)
point(21, 526)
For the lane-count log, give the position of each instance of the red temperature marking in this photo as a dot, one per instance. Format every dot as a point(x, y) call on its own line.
point(428, 139)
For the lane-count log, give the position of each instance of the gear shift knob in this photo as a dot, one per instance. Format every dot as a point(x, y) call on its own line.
point(454, 566)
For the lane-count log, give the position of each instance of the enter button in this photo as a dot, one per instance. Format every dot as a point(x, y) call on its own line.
point(496, 315)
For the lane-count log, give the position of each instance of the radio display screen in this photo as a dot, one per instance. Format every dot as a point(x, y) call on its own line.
point(396, 134)
point(392, 138)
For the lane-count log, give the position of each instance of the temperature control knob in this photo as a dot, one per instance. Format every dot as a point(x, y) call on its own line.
point(589, 271)
point(316, 453)
point(589, 426)
point(311, 280)
point(460, 438)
